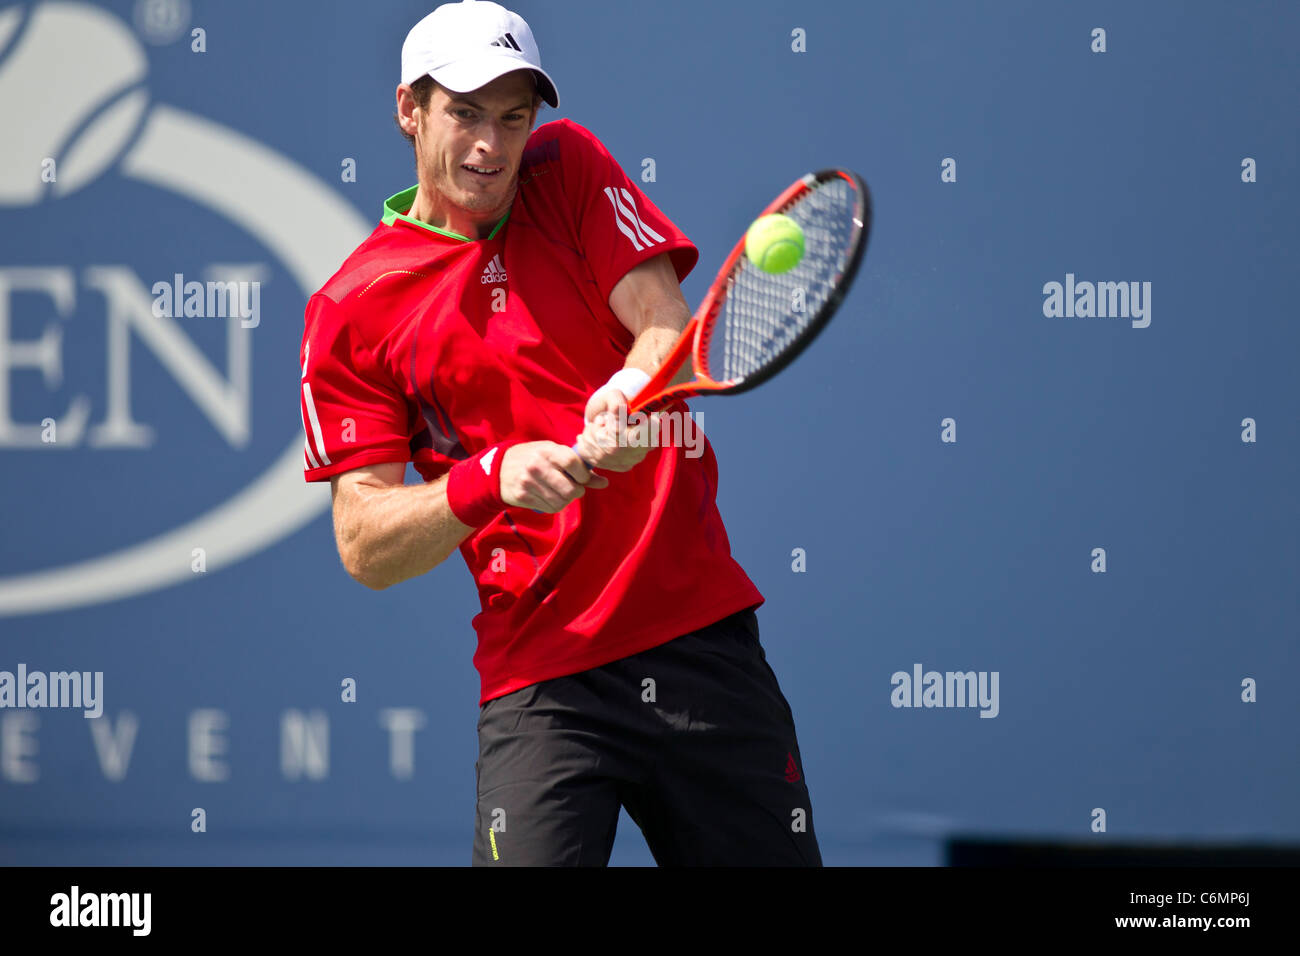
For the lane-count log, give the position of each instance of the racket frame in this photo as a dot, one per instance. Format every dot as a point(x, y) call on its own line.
point(694, 341)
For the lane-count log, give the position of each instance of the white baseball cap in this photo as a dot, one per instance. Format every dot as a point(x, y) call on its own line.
point(466, 45)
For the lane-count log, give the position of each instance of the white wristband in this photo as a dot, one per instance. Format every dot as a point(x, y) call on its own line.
point(629, 381)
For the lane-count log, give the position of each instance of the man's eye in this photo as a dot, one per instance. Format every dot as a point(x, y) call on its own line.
point(465, 114)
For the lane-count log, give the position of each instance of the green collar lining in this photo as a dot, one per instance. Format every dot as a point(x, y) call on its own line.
point(398, 205)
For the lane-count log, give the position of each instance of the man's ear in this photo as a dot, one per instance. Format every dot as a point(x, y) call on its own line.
point(404, 98)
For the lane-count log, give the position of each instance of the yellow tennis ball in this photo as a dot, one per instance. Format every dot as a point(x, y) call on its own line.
point(774, 243)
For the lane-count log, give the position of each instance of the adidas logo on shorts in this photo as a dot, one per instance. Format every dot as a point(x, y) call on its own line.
point(494, 271)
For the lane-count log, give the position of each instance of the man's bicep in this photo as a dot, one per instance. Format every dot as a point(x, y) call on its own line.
point(650, 295)
point(350, 487)
point(385, 474)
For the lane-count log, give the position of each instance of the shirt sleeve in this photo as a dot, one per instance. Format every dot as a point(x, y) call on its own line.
point(618, 226)
point(352, 413)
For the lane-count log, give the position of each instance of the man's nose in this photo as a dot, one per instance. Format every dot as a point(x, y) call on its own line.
point(491, 139)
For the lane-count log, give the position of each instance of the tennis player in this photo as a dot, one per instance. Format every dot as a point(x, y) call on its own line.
point(508, 304)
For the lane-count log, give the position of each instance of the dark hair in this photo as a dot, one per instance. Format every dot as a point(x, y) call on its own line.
point(422, 89)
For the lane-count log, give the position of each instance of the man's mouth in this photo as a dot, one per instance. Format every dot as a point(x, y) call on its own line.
point(487, 172)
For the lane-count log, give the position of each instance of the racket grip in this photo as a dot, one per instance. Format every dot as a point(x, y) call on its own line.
point(574, 448)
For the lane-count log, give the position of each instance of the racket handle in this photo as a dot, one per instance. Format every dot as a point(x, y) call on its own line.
point(574, 449)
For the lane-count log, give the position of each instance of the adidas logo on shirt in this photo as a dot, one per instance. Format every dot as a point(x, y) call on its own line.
point(494, 271)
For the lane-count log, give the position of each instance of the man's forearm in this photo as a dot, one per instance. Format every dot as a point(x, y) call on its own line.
point(648, 301)
point(656, 341)
point(391, 534)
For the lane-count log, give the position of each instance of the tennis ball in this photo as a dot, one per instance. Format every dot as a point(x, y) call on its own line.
point(774, 243)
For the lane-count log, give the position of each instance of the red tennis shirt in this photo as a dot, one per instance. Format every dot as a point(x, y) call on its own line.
point(429, 347)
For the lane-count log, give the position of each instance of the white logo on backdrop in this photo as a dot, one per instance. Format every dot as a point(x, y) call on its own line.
point(72, 88)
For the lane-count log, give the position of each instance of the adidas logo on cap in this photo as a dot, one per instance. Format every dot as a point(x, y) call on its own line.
point(506, 40)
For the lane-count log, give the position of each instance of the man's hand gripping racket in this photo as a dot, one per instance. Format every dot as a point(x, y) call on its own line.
point(752, 323)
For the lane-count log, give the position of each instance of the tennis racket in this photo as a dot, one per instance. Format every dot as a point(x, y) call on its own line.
point(752, 324)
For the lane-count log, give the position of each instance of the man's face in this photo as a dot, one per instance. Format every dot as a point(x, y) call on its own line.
point(469, 145)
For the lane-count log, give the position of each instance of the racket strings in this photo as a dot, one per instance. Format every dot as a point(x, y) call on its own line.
point(765, 314)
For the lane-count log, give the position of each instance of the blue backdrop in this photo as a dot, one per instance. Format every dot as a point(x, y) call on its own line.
point(1007, 145)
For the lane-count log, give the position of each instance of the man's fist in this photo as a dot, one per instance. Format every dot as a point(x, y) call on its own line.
point(544, 476)
point(606, 441)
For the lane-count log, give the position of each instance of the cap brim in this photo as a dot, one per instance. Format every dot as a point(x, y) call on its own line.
point(466, 77)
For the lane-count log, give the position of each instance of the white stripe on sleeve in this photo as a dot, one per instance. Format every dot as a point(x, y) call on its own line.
point(315, 422)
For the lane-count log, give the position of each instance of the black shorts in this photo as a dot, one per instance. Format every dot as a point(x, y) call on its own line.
point(693, 737)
